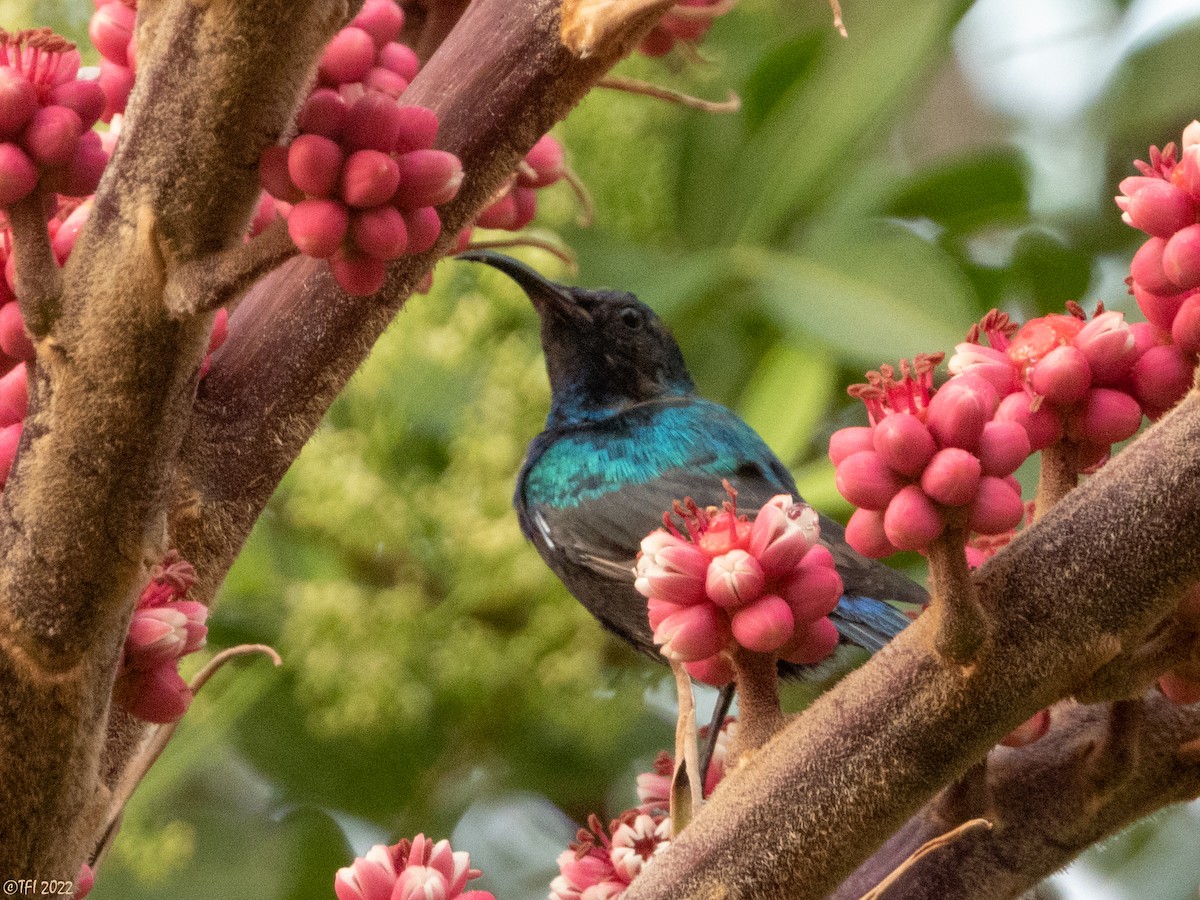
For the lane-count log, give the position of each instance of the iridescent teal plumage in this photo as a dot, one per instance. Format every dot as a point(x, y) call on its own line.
point(627, 436)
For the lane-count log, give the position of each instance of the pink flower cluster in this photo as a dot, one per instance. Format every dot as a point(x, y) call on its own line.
point(165, 627)
point(46, 118)
point(515, 204)
point(410, 870)
point(687, 21)
point(113, 33)
point(766, 585)
point(602, 863)
point(928, 458)
point(1063, 377)
point(359, 183)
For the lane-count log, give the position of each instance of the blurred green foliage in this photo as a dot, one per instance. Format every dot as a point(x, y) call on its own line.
point(870, 202)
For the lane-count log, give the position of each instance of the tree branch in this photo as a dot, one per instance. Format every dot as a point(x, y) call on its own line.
point(1088, 581)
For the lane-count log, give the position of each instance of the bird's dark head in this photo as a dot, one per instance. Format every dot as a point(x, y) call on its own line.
point(605, 350)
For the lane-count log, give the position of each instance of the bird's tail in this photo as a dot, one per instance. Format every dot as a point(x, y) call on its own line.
point(867, 622)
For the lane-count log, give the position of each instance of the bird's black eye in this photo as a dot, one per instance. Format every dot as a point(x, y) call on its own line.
point(631, 318)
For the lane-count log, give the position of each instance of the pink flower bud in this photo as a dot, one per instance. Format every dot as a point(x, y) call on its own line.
point(1042, 426)
point(18, 102)
point(952, 477)
point(358, 275)
point(782, 534)
point(658, 610)
point(866, 480)
point(117, 82)
point(373, 122)
point(84, 882)
point(846, 441)
point(1162, 376)
point(14, 340)
point(904, 443)
point(348, 57)
point(381, 19)
point(813, 590)
point(84, 98)
point(156, 695)
point(318, 226)
point(400, 59)
point(273, 175)
point(323, 113)
point(14, 395)
point(427, 178)
point(725, 531)
point(220, 330)
point(864, 532)
point(417, 129)
point(10, 441)
point(671, 569)
point(379, 232)
point(369, 178)
point(500, 213)
point(1062, 375)
point(1181, 258)
point(693, 633)
point(734, 579)
point(315, 164)
point(997, 507)
point(988, 363)
point(1191, 135)
point(110, 29)
point(1029, 731)
point(1160, 209)
point(1108, 417)
point(1185, 329)
point(811, 644)
point(82, 174)
point(18, 174)
point(424, 226)
point(911, 521)
point(715, 670)
point(1187, 173)
point(1147, 268)
point(1160, 310)
point(1108, 343)
point(545, 162)
point(1179, 688)
point(524, 206)
point(1003, 447)
point(764, 625)
point(155, 635)
point(960, 409)
point(52, 136)
point(370, 877)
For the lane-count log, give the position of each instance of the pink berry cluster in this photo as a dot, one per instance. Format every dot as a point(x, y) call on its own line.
point(113, 33)
point(687, 21)
point(165, 627)
point(46, 118)
point(516, 203)
point(765, 585)
point(654, 787)
point(359, 182)
point(929, 458)
point(410, 870)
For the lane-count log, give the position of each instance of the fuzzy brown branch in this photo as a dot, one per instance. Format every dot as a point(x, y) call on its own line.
point(84, 514)
point(1046, 811)
point(39, 282)
point(208, 283)
point(1085, 583)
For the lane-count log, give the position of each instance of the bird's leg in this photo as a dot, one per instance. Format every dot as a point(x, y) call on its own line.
point(686, 786)
point(720, 711)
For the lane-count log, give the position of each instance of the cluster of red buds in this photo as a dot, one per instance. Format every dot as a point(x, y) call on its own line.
point(410, 870)
point(766, 585)
point(46, 118)
point(165, 627)
point(113, 33)
point(929, 458)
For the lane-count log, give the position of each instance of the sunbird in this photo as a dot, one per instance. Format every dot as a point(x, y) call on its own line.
point(626, 437)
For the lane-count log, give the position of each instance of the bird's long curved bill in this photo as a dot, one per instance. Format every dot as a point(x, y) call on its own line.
point(544, 293)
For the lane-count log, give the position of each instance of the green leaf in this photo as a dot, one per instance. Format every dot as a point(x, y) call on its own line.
point(787, 397)
point(985, 189)
point(1154, 87)
point(857, 87)
point(876, 296)
point(778, 70)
